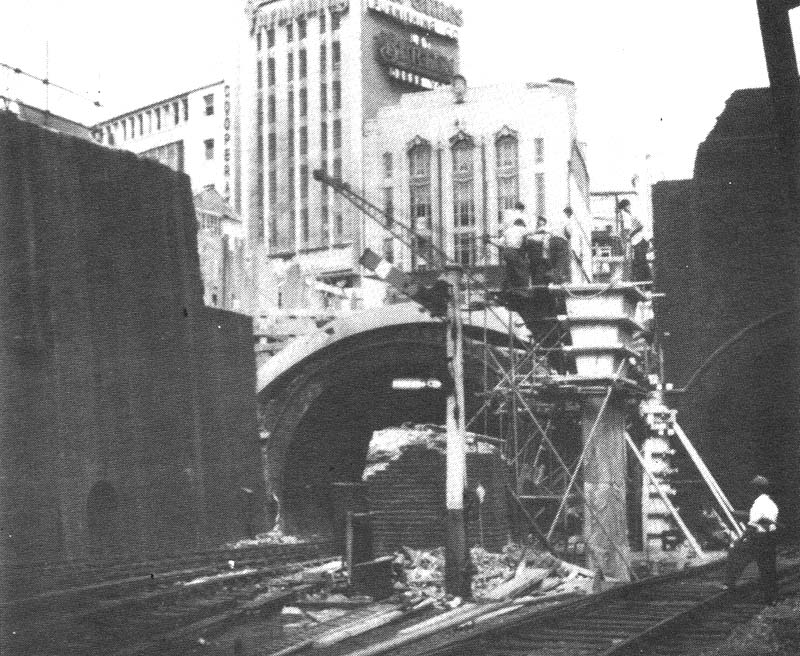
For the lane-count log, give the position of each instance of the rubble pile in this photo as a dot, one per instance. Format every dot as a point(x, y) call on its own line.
point(275, 536)
point(514, 572)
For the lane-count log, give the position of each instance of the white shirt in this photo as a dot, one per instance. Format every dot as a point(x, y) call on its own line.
point(513, 236)
point(764, 509)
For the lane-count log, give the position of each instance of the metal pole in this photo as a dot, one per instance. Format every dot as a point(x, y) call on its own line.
point(455, 550)
point(705, 472)
point(672, 510)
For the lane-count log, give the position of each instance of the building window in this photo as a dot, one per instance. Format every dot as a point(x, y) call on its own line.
point(541, 209)
point(322, 21)
point(463, 204)
point(290, 142)
point(462, 158)
point(337, 167)
point(303, 63)
point(335, 20)
point(465, 249)
point(421, 209)
point(271, 37)
point(337, 95)
point(323, 137)
point(185, 109)
point(388, 250)
point(323, 97)
point(290, 105)
point(301, 28)
point(272, 147)
point(303, 102)
point(259, 74)
point(337, 133)
point(305, 232)
point(259, 112)
point(388, 205)
point(141, 124)
point(323, 59)
point(109, 136)
point(271, 109)
point(158, 118)
point(538, 144)
point(303, 140)
point(209, 144)
point(273, 186)
point(325, 225)
point(336, 54)
point(290, 32)
point(258, 40)
point(507, 153)
point(273, 232)
point(271, 71)
point(290, 66)
point(339, 226)
point(209, 101)
point(388, 165)
point(133, 127)
point(124, 130)
point(260, 149)
point(304, 182)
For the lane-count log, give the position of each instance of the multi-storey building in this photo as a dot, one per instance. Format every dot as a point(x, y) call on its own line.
point(311, 73)
point(450, 164)
point(190, 133)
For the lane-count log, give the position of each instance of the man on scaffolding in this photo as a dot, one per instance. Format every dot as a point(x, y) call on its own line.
point(537, 245)
point(511, 244)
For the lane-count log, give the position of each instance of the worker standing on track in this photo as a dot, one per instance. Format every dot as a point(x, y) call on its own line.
point(758, 543)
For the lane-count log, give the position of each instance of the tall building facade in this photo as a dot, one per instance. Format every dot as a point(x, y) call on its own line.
point(311, 73)
point(450, 165)
point(191, 133)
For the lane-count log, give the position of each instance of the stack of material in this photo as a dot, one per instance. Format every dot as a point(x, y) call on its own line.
point(405, 473)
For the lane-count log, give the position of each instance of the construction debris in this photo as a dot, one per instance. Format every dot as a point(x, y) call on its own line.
point(515, 572)
point(275, 536)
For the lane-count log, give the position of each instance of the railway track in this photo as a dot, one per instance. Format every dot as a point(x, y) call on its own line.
point(680, 614)
point(147, 607)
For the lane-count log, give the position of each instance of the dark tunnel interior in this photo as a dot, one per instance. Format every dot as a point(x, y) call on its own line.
point(331, 442)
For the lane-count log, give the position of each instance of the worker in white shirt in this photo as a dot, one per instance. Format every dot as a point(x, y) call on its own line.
point(511, 246)
point(758, 543)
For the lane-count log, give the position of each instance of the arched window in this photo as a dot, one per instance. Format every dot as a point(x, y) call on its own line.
point(507, 154)
point(419, 168)
point(464, 239)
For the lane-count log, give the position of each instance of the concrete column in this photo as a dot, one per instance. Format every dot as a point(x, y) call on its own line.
point(604, 473)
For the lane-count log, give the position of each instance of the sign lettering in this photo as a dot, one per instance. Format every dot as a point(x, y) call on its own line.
point(414, 58)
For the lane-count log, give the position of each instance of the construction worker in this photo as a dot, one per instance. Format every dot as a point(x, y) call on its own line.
point(538, 248)
point(511, 244)
point(758, 542)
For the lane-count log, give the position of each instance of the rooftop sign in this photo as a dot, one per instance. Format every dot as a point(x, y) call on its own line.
point(431, 15)
point(414, 58)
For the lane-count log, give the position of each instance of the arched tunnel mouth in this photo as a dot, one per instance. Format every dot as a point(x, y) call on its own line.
point(353, 398)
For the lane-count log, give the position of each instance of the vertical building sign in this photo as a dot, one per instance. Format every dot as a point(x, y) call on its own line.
point(227, 144)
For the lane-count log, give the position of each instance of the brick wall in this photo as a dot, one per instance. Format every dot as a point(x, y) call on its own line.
point(407, 500)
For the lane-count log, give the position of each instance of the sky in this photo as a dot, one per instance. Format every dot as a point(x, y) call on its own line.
point(651, 76)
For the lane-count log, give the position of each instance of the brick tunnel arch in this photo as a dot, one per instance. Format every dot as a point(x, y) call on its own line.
point(323, 396)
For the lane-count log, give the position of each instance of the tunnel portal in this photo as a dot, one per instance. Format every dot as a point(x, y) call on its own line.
point(332, 390)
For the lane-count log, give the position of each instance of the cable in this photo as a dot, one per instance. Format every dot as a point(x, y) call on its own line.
point(49, 83)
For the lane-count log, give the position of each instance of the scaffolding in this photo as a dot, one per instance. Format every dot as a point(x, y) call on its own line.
point(562, 389)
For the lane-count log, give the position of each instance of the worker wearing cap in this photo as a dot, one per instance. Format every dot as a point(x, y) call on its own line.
point(758, 542)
